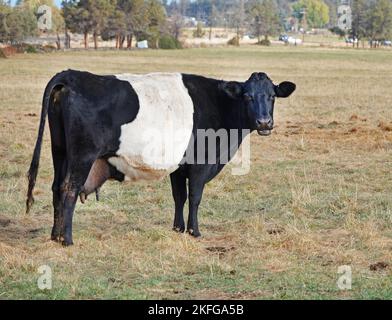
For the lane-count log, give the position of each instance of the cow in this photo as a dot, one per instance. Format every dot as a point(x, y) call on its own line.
point(101, 127)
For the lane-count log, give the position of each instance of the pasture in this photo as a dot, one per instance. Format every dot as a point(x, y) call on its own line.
point(319, 194)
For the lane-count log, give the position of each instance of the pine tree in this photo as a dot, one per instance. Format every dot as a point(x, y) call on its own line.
point(265, 19)
point(379, 21)
point(359, 12)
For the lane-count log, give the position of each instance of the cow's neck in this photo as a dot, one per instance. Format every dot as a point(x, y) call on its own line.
point(234, 116)
point(214, 109)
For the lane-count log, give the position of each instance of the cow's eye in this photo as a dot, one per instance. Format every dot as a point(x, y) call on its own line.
point(248, 98)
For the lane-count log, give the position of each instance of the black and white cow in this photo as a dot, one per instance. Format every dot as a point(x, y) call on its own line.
point(139, 127)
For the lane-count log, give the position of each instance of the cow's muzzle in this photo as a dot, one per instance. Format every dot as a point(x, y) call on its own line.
point(265, 126)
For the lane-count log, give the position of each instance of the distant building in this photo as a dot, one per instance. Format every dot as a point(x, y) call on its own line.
point(190, 21)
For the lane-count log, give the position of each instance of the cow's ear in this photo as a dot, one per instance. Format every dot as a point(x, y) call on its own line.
point(233, 89)
point(285, 89)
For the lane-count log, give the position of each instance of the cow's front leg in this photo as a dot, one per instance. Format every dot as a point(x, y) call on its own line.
point(180, 194)
point(196, 188)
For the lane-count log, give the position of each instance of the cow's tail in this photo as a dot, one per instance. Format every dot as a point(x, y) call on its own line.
point(54, 85)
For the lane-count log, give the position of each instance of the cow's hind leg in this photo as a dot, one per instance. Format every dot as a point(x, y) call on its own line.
point(180, 194)
point(72, 186)
point(60, 164)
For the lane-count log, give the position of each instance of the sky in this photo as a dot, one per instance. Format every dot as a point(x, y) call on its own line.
point(58, 2)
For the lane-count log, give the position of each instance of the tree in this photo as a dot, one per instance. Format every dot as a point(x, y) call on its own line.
point(34, 4)
point(115, 28)
point(58, 25)
point(156, 16)
point(77, 18)
point(379, 21)
point(214, 16)
point(176, 25)
point(87, 16)
point(265, 18)
point(184, 4)
point(5, 11)
point(136, 18)
point(312, 13)
point(239, 18)
point(99, 13)
point(16, 23)
point(359, 20)
point(199, 32)
point(333, 10)
point(119, 19)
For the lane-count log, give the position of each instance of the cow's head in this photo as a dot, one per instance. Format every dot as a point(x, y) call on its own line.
point(258, 96)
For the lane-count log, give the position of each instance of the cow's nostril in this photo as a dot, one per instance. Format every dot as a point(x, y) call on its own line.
point(265, 123)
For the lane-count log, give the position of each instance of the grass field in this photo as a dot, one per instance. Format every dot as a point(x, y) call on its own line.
point(318, 196)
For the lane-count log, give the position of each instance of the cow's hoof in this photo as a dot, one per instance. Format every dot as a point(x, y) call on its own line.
point(55, 239)
point(179, 229)
point(67, 243)
point(194, 233)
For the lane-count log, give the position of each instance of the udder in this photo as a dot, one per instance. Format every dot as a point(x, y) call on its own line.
point(99, 174)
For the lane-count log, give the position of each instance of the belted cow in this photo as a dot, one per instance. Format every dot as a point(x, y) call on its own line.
point(140, 127)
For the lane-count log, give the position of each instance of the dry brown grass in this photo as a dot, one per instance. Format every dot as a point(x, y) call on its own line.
point(318, 195)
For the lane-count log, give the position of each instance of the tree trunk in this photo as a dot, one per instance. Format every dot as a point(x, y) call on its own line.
point(95, 35)
point(129, 41)
point(117, 41)
point(58, 42)
point(86, 40)
point(121, 41)
point(67, 40)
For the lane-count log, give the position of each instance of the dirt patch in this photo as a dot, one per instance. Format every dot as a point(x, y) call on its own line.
point(220, 250)
point(33, 115)
point(15, 232)
point(8, 51)
point(214, 294)
point(355, 117)
point(385, 126)
point(275, 231)
point(18, 229)
point(333, 124)
point(4, 222)
point(379, 266)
